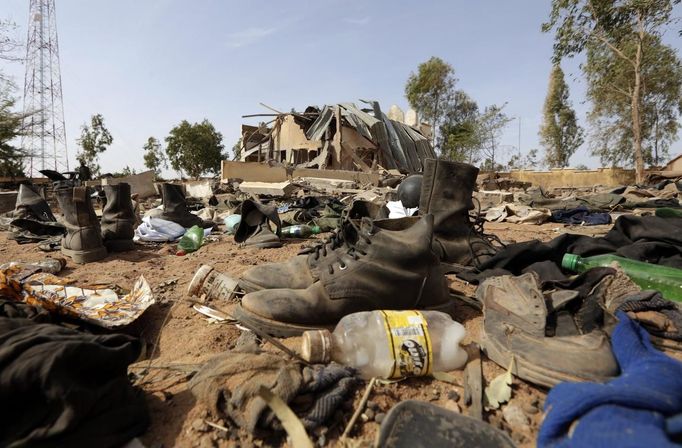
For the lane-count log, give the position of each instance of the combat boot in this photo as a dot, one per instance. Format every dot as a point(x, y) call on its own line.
point(386, 264)
point(118, 218)
point(30, 205)
point(83, 239)
point(254, 227)
point(175, 208)
point(301, 271)
point(446, 194)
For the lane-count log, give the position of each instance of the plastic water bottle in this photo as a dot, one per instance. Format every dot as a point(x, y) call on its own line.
point(390, 344)
point(666, 280)
point(191, 240)
point(300, 231)
point(49, 265)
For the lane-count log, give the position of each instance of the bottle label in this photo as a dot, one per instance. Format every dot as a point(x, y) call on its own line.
point(409, 343)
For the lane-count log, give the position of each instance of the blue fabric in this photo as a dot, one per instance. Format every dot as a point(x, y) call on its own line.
point(581, 215)
point(633, 410)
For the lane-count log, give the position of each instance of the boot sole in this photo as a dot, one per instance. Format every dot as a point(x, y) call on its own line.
point(119, 245)
point(272, 245)
point(85, 256)
point(285, 330)
point(525, 369)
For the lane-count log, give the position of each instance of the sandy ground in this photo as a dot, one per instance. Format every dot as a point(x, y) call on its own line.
point(174, 332)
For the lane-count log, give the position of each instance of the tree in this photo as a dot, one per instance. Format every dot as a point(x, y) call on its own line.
point(529, 161)
point(619, 29)
point(94, 140)
point(430, 89)
point(11, 127)
point(154, 157)
point(195, 148)
point(459, 137)
point(559, 133)
point(491, 123)
point(608, 77)
point(237, 149)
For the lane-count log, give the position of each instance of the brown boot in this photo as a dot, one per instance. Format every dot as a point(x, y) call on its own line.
point(447, 194)
point(118, 218)
point(83, 240)
point(387, 264)
point(301, 271)
point(175, 208)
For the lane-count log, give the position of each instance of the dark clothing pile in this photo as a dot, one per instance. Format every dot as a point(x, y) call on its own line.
point(63, 388)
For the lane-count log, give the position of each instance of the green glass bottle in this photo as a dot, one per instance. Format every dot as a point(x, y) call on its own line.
point(666, 280)
point(300, 231)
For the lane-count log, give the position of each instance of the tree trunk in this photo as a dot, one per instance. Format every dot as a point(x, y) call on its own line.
point(636, 117)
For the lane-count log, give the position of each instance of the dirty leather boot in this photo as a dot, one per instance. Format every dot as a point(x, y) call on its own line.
point(83, 239)
point(447, 194)
point(387, 264)
point(175, 208)
point(118, 218)
point(30, 205)
point(254, 228)
point(300, 271)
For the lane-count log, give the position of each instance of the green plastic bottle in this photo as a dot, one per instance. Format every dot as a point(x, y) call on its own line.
point(666, 280)
point(191, 240)
point(300, 231)
point(667, 212)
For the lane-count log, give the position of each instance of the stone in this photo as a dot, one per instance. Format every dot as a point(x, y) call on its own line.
point(199, 425)
point(530, 409)
point(370, 414)
point(453, 395)
point(379, 417)
point(513, 414)
point(372, 405)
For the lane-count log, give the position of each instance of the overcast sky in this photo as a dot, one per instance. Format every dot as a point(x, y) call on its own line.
point(148, 64)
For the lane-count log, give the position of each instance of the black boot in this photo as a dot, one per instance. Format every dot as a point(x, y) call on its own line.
point(30, 205)
point(118, 218)
point(83, 240)
point(175, 208)
point(447, 195)
point(254, 227)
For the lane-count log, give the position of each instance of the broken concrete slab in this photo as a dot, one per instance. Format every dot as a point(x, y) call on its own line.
point(141, 184)
point(268, 188)
point(252, 171)
point(331, 184)
point(489, 199)
point(354, 176)
point(200, 189)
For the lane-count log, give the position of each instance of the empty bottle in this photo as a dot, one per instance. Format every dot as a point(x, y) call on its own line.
point(666, 280)
point(390, 344)
point(667, 212)
point(191, 240)
point(300, 231)
point(49, 265)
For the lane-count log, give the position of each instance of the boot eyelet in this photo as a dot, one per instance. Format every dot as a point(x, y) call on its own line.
point(343, 267)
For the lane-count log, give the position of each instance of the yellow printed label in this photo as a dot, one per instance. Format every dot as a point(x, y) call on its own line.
point(409, 343)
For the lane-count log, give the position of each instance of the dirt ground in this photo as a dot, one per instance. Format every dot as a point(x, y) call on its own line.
point(174, 332)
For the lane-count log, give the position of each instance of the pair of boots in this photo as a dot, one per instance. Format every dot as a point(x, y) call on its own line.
point(86, 240)
point(373, 264)
point(175, 208)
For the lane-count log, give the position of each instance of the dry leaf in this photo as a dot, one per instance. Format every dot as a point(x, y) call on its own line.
point(499, 390)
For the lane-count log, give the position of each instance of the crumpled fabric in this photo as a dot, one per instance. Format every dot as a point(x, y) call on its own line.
point(63, 388)
point(228, 385)
point(581, 216)
point(158, 230)
point(396, 210)
point(519, 214)
point(640, 408)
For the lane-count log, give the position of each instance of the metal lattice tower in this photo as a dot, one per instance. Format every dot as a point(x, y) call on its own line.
point(45, 140)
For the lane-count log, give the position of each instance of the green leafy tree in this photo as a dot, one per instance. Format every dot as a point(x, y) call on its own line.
point(619, 29)
point(459, 132)
point(560, 134)
point(430, 89)
point(527, 162)
point(154, 157)
point(94, 140)
point(491, 124)
point(608, 81)
point(237, 149)
point(11, 128)
point(195, 148)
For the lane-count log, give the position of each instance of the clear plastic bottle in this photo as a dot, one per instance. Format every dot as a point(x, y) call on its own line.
point(300, 231)
point(666, 280)
point(49, 265)
point(390, 344)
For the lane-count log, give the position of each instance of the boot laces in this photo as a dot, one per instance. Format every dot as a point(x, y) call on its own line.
point(477, 236)
point(339, 240)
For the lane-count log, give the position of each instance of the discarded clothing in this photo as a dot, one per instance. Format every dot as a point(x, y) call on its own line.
point(60, 387)
point(228, 385)
point(629, 411)
point(644, 238)
point(158, 230)
point(581, 216)
point(396, 210)
point(516, 213)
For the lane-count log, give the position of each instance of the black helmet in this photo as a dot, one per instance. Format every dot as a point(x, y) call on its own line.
point(409, 191)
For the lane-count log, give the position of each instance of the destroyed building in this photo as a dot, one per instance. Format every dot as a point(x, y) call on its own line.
point(339, 137)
